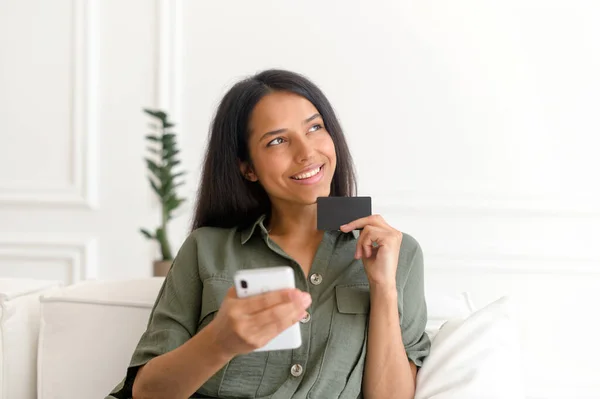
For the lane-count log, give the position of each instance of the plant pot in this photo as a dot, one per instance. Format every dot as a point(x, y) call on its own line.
point(161, 267)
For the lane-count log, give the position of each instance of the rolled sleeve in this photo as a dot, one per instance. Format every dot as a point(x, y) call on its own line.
point(414, 317)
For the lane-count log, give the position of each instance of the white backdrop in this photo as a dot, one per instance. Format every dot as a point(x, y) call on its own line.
point(474, 126)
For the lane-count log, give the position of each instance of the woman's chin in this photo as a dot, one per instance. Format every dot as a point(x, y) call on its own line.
point(311, 199)
point(306, 195)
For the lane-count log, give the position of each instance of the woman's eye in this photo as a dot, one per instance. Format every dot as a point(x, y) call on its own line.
point(314, 128)
point(276, 141)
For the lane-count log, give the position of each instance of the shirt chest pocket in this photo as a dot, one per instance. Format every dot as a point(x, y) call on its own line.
point(349, 323)
point(347, 339)
point(242, 376)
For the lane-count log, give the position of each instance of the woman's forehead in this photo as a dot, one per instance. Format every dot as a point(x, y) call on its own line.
point(281, 108)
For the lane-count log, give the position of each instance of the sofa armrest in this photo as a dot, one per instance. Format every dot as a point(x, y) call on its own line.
point(88, 333)
point(19, 327)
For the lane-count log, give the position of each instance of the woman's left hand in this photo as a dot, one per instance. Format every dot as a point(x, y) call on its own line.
point(379, 247)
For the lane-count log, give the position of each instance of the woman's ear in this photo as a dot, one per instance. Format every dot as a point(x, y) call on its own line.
point(247, 171)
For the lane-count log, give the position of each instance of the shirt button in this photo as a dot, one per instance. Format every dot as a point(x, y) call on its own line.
point(305, 319)
point(316, 279)
point(296, 370)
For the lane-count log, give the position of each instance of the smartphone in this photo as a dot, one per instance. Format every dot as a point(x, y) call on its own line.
point(333, 212)
point(251, 282)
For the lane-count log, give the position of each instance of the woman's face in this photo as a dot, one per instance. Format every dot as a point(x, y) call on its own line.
point(293, 156)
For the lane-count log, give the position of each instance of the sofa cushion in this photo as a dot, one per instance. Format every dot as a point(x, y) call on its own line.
point(475, 357)
point(19, 327)
point(88, 333)
point(90, 330)
point(444, 307)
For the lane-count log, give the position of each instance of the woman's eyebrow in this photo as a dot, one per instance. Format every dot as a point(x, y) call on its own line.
point(315, 116)
point(272, 133)
point(279, 131)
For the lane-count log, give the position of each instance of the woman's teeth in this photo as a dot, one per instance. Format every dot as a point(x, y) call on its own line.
point(307, 174)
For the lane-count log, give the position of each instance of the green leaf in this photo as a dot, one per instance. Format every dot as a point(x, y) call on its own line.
point(168, 187)
point(168, 138)
point(155, 187)
point(153, 150)
point(165, 176)
point(167, 125)
point(169, 146)
point(152, 166)
point(172, 212)
point(172, 163)
point(156, 113)
point(171, 183)
point(168, 198)
point(170, 202)
point(169, 143)
point(147, 234)
point(155, 169)
point(170, 153)
point(178, 204)
point(151, 137)
point(173, 203)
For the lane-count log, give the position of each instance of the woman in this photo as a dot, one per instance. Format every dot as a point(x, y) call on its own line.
point(275, 146)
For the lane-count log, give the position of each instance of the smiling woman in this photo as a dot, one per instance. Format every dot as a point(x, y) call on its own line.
point(267, 125)
point(275, 147)
point(300, 155)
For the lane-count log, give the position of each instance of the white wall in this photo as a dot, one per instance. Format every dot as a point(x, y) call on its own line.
point(473, 124)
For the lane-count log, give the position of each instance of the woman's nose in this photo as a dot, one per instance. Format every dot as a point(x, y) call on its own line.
point(304, 149)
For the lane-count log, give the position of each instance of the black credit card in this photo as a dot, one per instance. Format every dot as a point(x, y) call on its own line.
point(332, 212)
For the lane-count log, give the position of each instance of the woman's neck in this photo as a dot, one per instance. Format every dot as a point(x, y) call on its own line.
point(300, 223)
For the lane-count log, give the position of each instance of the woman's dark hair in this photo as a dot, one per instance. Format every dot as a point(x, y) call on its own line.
point(225, 197)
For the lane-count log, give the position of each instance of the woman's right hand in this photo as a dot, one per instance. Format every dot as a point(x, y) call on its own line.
point(245, 324)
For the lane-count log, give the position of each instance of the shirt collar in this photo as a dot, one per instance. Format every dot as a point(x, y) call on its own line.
point(249, 231)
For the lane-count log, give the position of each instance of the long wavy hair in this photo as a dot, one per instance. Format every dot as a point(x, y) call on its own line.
point(225, 198)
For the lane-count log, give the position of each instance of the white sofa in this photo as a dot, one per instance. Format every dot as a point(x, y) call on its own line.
point(69, 342)
point(19, 328)
point(84, 335)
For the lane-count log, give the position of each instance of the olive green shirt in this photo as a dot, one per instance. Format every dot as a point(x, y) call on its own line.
point(330, 362)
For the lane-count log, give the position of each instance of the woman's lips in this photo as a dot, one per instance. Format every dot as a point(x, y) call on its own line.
point(311, 180)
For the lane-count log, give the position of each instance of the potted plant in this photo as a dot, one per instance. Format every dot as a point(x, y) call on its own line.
point(164, 180)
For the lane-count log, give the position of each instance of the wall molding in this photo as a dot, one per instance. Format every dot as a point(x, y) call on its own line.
point(81, 189)
point(168, 61)
point(79, 254)
point(169, 73)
